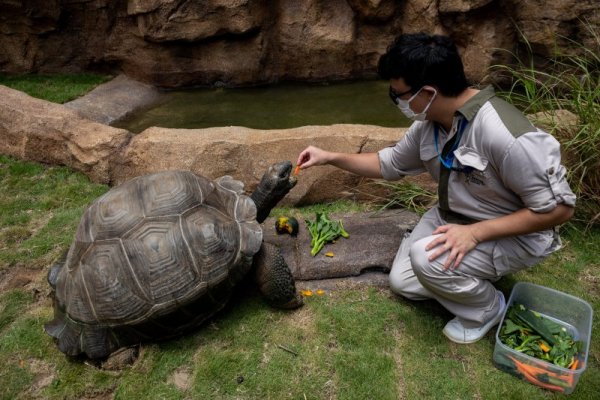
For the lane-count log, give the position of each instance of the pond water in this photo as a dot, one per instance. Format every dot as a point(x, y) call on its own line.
point(273, 107)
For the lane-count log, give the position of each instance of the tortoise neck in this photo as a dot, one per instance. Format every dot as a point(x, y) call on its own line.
point(264, 202)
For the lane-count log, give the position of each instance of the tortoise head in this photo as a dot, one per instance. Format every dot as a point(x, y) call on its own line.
point(273, 187)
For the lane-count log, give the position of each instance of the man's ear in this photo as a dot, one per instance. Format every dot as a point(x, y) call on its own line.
point(431, 91)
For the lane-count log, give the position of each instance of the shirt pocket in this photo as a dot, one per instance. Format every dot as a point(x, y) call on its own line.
point(470, 158)
point(480, 182)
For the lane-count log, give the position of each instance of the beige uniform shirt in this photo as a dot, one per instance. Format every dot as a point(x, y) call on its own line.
point(512, 165)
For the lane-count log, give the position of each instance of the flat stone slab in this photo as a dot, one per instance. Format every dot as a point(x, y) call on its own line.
point(115, 100)
point(372, 245)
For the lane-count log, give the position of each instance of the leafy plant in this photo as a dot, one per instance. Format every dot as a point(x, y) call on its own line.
point(571, 82)
point(324, 230)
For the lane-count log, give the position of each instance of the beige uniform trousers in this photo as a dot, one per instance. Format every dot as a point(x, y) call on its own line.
point(466, 292)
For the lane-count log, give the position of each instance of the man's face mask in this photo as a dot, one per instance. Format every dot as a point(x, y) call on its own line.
point(404, 105)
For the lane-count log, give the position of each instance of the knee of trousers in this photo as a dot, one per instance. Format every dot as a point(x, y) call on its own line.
point(398, 284)
point(423, 268)
point(404, 283)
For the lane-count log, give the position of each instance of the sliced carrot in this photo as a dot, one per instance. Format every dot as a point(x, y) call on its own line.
point(535, 381)
point(532, 369)
point(571, 377)
point(530, 372)
point(296, 170)
point(544, 347)
point(574, 364)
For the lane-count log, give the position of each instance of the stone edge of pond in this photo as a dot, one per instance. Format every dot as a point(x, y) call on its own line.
point(115, 100)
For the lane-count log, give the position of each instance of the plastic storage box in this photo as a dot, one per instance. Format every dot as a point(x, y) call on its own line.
point(569, 311)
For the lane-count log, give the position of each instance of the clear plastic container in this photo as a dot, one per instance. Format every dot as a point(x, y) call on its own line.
point(573, 313)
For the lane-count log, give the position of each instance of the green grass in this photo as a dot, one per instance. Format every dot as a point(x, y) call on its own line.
point(409, 195)
point(349, 343)
point(55, 88)
point(39, 211)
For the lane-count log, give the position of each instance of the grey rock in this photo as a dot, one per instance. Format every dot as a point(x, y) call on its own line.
point(372, 244)
point(115, 100)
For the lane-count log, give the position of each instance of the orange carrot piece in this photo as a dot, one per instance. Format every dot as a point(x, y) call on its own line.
point(574, 364)
point(529, 372)
point(544, 347)
point(296, 170)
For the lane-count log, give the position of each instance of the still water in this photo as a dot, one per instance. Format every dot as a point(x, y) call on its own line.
point(273, 107)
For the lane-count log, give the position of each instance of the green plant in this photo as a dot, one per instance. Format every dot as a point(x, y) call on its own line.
point(408, 195)
point(570, 82)
point(323, 230)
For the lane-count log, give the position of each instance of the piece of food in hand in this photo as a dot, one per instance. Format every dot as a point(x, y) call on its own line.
point(287, 225)
point(297, 170)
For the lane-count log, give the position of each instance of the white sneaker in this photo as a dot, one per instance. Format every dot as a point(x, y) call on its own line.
point(456, 332)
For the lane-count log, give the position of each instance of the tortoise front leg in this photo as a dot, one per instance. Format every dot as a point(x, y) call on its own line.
point(274, 278)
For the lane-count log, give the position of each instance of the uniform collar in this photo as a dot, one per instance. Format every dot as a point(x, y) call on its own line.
point(472, 106)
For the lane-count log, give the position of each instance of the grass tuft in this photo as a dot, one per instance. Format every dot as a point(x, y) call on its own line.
point(57, 88)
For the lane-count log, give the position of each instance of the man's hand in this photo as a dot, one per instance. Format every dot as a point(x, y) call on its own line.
point(458, 240)
point(313, 156)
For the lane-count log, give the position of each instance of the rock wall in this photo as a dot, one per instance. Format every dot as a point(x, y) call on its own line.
point(174, 43)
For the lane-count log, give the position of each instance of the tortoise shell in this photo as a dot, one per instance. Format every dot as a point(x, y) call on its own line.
point(153, 257)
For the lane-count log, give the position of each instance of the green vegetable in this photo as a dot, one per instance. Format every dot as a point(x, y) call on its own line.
point(528, 332)
point(323, 230)
point(536, 323)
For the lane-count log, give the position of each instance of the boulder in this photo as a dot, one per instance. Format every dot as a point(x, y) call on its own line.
point(372, 244)
point(38, 130)
point(115, 100)
point(245, 154)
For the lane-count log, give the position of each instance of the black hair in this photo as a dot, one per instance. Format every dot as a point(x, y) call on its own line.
point(421, 59)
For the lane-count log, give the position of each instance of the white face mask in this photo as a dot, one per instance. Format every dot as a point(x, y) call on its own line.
point(404, 106)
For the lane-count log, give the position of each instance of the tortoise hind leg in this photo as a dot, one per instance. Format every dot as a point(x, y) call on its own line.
point(274, 278)
point(76, 339)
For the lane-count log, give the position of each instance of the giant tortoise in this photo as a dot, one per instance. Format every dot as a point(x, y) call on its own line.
point(160, 254)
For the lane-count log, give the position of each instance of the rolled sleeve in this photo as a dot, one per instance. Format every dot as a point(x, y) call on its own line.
point(532, 169)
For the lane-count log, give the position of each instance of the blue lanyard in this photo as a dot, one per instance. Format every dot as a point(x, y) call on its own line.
point(448, 160)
